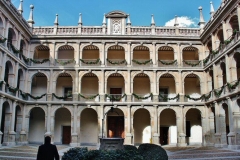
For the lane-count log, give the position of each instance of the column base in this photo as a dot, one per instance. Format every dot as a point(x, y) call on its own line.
point(234, 147)
point(155, 139)
point(74, 140)
point(181, 144)
point(128, 139)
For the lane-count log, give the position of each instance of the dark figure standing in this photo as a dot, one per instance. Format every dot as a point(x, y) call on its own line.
point(47, 151)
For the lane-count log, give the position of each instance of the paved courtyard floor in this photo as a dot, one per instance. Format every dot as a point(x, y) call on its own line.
point(29, 152)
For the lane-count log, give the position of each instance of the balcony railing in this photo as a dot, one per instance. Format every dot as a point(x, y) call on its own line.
point(167, 63)
point(116, 62)
point(142, 62)
point(90, 62)
point(142, 98)
point(168, 97)
point(65, 62)
point(195, 97)
point(89, 98)
point(192, 63)
point(116, 98)
point(40, 62)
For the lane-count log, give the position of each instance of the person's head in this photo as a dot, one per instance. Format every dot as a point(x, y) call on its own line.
point(47, 140)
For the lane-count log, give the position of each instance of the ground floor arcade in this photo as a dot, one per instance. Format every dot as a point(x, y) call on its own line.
point(77, 125)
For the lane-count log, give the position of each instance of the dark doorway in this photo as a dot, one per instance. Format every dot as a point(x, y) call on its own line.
point(163, 92)
point(115, 126)
point(164, 135)
point(66, 139)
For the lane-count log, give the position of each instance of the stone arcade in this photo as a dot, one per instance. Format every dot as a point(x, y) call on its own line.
point(169, 85)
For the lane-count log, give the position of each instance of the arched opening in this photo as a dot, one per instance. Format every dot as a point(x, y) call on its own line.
point(36, 126)
point(9, 76)
point(167, 88)
point(90, 56)
point(23, 48)
point(39, 86)
point(20, 80)
point(115, 123)
point(237, 60)
point(62, 127)
point(115, 87)
point(234, 23)
point(225, 107)
point(141, 56)
point(6, 121)
point(64, 86)
point(116, 56)
point(190, 57)
point(12, 39)
point(192, 88)
point(65, 55)
point(168, 128)
point(141, 127)
point(219, 39)
point(166, 57)
point(193, 127)
point(41, 54)
point(89, 129)
point(223, 70)
point(18, 123)
point(141, 88)
point(1, 28)
point(89, 87)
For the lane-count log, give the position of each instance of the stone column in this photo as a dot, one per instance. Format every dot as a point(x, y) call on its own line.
point(232, 68)
point(129, 136)
point(224, 26)
point(12, 133)
point(129, 91)
point(238, 15)
point(100, 122)
point(181, 128)
point(102, 86)
point(212, 130)
point(179, 58)
point(155, 86)
point(48, 123)
point(1, 107)
point(74, 142)
point(154, 59)
point(50, 86)
point(205, 135)
point(3, 65)
point(155, 137)
point(215, 78)
point(16, 74)
point(76, 57)
point(213, 42)
point(52, 53)
point(23, 134)
point(232, 134)
point(6, 31)
point(129, 60)
point(103, 54)
point(228, 73)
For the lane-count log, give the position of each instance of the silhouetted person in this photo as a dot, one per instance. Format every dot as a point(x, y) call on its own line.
point(47, 151)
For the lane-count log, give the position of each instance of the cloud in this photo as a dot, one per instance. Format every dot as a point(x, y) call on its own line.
point(183, 22)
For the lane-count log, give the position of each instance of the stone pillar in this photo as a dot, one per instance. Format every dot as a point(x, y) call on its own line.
point(3, 65)
point(212, 130)
point(213, 42)
point(76, 57)
point(129, 60)
point(154, 58)
point(155, 137)
point(181, 128)
point(100, 122)
point(129, 136)
point(232, 134)
point(155, 87)
point(48, 123)
point(215, 78)
point(52, 53)
point(1, 107)
point(102, 58)
point(12, 133)
point(50, 86)
point(6, 31)
point(238, 15)
point(74, 141)
point(228, 73)
point(224, 26)
point(16, 74)
point(102, 86)
point(23, 134)
point(179, 57)
point(128, 88)
point(205, 135)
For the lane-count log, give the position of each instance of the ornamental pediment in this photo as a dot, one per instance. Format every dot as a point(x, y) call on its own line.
point(116, 14)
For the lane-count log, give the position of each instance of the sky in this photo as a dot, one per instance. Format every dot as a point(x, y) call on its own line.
point(140, 11)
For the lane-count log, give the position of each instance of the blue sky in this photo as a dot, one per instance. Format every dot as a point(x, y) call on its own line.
point(92, 11)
